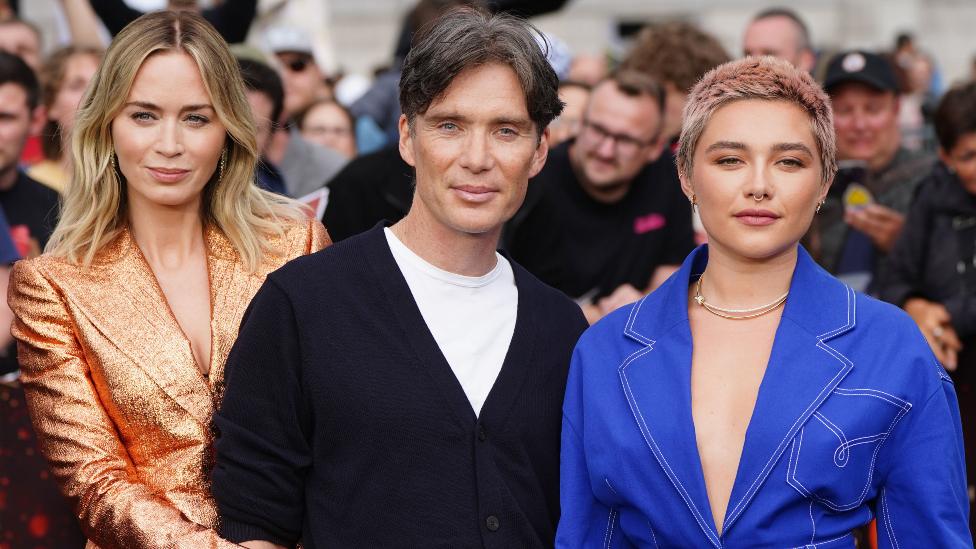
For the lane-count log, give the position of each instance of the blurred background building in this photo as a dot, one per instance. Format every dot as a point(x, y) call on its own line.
point(358, 36)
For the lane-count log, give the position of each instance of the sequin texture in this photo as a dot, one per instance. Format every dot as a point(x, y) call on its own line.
point(121, 410)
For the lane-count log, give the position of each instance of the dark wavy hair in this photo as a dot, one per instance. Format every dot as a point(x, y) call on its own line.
point(466, 37)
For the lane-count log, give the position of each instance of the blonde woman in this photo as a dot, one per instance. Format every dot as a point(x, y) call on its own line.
point(125, 322)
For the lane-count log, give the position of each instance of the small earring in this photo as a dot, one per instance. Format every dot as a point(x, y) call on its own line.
point(693, 199)
point(820, 205)
point(111, 160)
point(222, 166)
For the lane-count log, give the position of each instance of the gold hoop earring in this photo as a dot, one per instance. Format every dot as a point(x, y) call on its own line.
point(222, 166)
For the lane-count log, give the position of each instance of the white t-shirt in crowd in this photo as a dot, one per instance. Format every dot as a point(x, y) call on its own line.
point(472, 318)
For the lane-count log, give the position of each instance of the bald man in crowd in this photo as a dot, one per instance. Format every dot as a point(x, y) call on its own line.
point(781, 33)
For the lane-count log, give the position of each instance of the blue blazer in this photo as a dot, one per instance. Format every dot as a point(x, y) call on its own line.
point(854, 420)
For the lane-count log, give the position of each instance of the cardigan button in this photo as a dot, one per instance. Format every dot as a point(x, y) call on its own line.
point(492, 523)
point(482, 434)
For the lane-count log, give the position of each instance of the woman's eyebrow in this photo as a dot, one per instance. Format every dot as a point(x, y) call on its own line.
point(726, 145)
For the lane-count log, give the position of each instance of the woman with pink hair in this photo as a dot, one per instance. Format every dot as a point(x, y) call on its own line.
point(753, 400)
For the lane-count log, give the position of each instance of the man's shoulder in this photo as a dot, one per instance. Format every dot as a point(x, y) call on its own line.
point(28, 186)
point(547, 300)
point(558, 167)
point(659, 175)
point(342, 263)
point(909, 167)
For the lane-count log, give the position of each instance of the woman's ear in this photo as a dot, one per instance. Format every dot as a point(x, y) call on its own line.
point(686, 186)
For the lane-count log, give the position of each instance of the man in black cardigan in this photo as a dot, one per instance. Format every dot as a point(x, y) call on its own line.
point(403, 388)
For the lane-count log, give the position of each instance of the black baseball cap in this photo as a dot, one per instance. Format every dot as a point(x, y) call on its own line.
point(861, 66)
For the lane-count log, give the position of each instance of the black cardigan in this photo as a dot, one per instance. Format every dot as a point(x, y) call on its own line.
point(342, 424)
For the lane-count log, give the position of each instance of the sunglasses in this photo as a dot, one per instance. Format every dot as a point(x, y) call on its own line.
point(298, 65)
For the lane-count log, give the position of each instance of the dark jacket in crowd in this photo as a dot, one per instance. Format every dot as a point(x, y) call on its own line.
point(935, 257)
point(892, 187)
point(370, 188)
point(232, 18)
point(343, 425)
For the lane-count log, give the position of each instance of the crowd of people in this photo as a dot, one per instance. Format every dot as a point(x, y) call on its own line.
point(502, 333)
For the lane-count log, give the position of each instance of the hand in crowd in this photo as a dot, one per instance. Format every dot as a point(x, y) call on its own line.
point(623, 295)
point(934, 321)
point(881, 224)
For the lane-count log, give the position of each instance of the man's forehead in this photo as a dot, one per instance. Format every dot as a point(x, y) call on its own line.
point(852, 91)
point(12, 96)
point(773, 26)
point(468, 92)
point(607, 96)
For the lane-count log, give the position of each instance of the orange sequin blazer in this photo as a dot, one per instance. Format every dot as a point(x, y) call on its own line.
point(121, 410)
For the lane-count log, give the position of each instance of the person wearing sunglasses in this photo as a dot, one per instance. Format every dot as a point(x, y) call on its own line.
point(605, 219)
point(305, 166)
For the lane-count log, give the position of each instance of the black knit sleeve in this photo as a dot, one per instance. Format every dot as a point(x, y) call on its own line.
point(115, 14)
point(263, 427)
point(232, 19)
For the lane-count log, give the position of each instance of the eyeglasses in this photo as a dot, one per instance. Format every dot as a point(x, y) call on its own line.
point(327, 131)
point(624, 144)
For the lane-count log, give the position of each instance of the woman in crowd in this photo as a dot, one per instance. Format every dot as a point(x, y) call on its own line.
point(932, 270)
point(331, 125)
point(753, 400)
point(124, 324)
point(64, 77)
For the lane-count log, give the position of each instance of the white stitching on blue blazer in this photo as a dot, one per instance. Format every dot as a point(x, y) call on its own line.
point(854, 420)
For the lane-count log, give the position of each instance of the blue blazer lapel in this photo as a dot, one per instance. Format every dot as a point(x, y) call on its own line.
point(803, 370)
point(656, 381)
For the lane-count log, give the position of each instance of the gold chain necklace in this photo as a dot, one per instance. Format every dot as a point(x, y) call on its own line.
point(736, 314)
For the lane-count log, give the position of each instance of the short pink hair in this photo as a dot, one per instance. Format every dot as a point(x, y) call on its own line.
point(766, 78)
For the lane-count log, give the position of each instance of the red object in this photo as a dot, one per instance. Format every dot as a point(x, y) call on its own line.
point(32, 153)
point(38, 526)
point(21, 236)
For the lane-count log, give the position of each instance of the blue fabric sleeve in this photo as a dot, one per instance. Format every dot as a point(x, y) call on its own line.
point(923, 501)
point(584, 520)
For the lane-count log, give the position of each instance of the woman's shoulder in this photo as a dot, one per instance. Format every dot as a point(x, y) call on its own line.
point(887, 346)
point(297, 237)
point(43, 267)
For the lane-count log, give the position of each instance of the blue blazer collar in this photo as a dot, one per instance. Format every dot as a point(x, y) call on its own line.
point(818, 302)
point(803, 369)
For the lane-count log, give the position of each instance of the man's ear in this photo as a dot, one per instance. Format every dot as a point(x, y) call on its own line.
point(657, 148)
point(541, 154)
point(406, 141)
point(38, 117)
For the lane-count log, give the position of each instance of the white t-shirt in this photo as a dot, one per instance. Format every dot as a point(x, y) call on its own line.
point(472, 318)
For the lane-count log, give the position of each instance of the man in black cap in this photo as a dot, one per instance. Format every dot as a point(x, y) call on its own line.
point(866, 207)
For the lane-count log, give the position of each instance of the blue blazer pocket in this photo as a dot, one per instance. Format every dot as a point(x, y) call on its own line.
point(832, 457)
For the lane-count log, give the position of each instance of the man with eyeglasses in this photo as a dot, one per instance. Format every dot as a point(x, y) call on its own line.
point(605, 220)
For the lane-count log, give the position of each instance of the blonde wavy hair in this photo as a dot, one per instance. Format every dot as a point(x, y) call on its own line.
point(94, 205)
